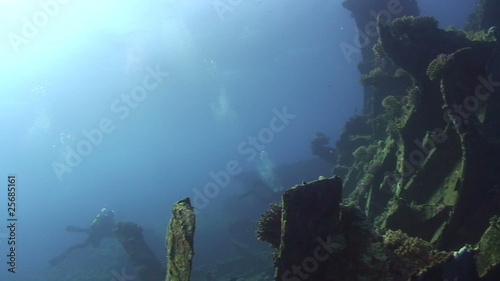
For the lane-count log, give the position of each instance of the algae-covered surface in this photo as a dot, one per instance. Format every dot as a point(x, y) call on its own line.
point(180, 241)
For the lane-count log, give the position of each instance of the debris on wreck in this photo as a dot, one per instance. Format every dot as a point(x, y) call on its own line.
point(180, 241)
point(310, 213)
point(322, 239)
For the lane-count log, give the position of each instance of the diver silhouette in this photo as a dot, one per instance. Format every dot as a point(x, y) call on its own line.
point(102, 226)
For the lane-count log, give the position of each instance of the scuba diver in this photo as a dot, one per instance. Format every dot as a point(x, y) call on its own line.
point(319, 148)
point(102, 226)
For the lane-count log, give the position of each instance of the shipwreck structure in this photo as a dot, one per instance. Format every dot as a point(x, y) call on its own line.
point(180, 241)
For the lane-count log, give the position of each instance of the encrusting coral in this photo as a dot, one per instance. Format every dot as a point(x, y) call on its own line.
point(269, 226)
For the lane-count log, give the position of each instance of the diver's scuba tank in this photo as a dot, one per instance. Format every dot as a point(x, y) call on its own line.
point(105, 213)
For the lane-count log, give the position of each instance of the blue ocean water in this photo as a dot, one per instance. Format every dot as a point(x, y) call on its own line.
point(132, 106)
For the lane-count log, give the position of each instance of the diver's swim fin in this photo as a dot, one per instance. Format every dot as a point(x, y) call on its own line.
point(71, 228)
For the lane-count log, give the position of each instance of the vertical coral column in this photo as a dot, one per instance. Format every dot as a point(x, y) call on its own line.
point(180, 238)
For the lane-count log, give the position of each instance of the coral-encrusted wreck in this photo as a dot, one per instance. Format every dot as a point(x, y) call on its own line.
point(418, 170)
point(422, 162)
point(180, 241)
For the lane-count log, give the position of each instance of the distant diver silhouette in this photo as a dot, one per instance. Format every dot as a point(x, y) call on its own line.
point(101, 227)
point(319, 147)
